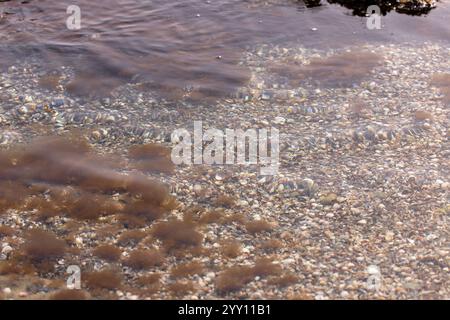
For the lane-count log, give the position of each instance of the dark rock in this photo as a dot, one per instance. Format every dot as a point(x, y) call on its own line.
point(359, 7)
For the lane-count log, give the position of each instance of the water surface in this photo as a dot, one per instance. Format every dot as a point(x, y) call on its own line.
point(187, 46)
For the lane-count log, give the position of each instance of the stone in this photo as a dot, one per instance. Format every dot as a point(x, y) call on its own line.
point(266, 96)
point(389, 236)
point(373, 269)
point(57, 103)
point(79, 241)
point(6, 250)
point(328, 199)
point(96, 135)
point(23, 110)
point(279, 120)
point(197, 188)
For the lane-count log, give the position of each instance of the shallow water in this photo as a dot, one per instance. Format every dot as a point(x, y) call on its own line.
point(363, 151)
point(190, 45)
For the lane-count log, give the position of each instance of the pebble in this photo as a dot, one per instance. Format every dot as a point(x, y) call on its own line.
point(57, 103)
point(319, 296)
point(197, 188)
point(373, 269)
point(266, 96)
point(288, 261)
point(412, 285)
point(211, 275)
point(6, 250)
point(79, 241)
point(246, 250)
point(279, 120)
point(340, 199)
point(443, 253)
point(96, 135)
point(243, 203)
point(23, 110)
point(389, 236)
point(308, 183)
point(328, 199)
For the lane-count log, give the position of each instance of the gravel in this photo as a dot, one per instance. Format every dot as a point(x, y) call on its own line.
point(357, 195)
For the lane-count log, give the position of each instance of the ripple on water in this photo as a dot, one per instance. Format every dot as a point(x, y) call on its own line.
point(340, 70)
point(182, 49)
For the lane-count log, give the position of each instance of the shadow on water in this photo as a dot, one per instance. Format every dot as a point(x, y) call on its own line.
point(187, 48)
point(56, 175)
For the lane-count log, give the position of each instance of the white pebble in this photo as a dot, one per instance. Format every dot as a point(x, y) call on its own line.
point(373, 269)
point(197, 188)
point(288, 261)
point(279, 120)
point(7, 249)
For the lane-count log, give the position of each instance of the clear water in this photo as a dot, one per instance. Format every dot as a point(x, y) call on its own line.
point(176, 45)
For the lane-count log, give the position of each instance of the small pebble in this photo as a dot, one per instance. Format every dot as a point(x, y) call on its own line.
point(6, 250)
